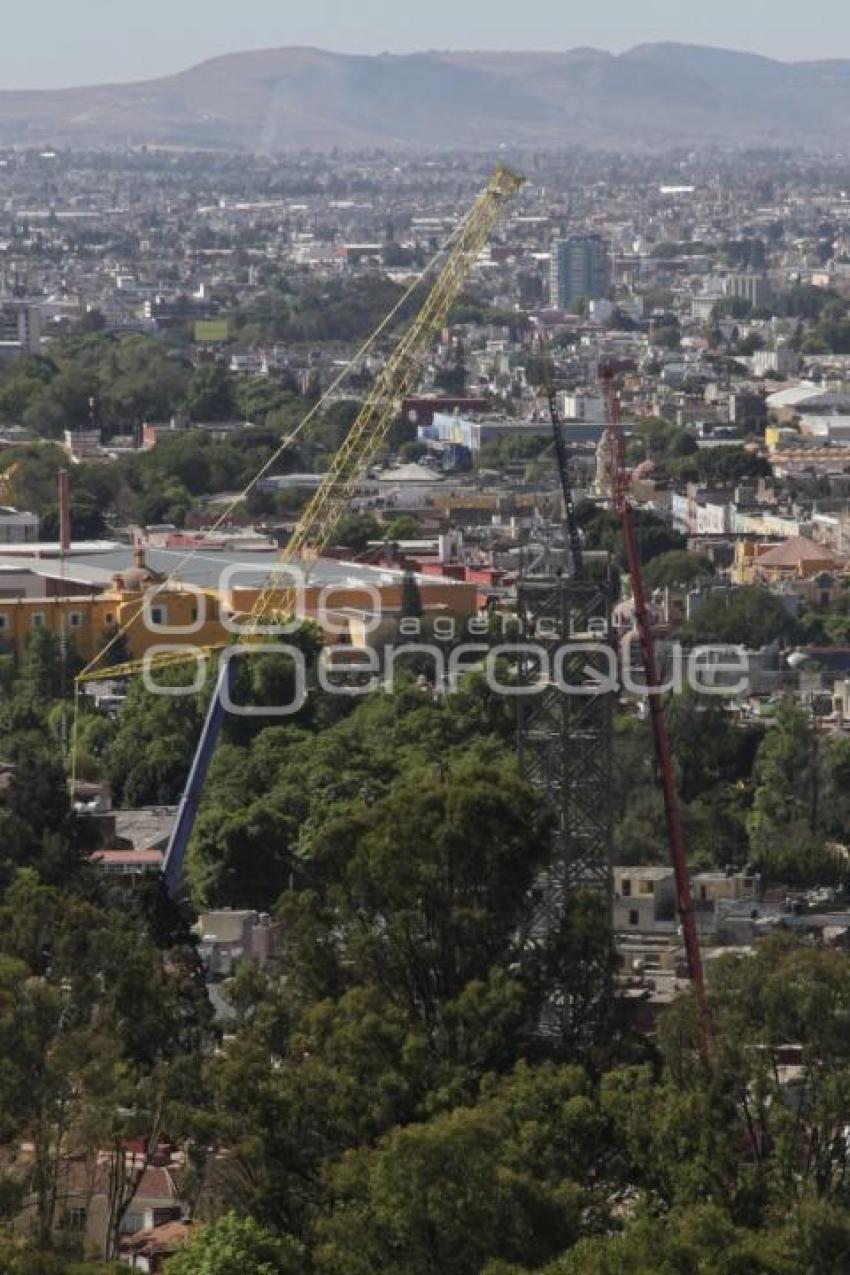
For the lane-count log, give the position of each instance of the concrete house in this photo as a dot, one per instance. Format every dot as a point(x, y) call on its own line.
point(643, 896)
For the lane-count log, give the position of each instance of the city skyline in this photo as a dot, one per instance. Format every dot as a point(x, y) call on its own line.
point(90, 43)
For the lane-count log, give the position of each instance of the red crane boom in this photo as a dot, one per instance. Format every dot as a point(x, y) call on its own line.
point(657, 713)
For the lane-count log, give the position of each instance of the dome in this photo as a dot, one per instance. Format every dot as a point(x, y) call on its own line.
point(135, 579)
point(139, 577)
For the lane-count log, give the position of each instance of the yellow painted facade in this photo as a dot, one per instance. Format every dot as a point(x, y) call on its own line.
point(200, 617)
point(744, 568)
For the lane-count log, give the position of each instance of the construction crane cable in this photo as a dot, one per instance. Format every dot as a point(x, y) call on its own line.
point(272, 461)
point(361, 353)
point(363, 439)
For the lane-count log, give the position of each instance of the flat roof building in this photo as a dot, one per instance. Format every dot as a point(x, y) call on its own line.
point(17, 527)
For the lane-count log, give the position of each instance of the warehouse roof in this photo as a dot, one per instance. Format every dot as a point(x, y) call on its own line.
point(205, 570)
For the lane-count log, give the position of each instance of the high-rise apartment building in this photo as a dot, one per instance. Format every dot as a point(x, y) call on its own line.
point(580, 268)
point(20, 327)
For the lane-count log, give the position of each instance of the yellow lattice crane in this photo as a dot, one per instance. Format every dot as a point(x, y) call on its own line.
point(399, 378)
point(7, 484)
point(400, 375)
point(318, 523)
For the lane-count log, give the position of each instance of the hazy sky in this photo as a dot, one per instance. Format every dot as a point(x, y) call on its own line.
point(63, 42)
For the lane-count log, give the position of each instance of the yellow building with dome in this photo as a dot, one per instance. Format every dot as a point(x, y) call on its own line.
point(88, 606)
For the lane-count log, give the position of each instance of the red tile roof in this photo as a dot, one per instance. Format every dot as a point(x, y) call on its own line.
point(797, 550)
point(144, 858)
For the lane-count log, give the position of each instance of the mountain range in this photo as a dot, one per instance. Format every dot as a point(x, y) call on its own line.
point(651, 97)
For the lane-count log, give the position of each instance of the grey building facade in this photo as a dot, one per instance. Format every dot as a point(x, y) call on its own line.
point(580, 267)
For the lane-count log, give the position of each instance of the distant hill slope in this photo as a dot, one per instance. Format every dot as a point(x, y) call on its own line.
point(653, 96)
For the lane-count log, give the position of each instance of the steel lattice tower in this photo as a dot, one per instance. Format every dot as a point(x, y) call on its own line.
point(565, 741)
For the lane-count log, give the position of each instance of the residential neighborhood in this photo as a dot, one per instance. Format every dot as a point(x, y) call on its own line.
point(424, 642)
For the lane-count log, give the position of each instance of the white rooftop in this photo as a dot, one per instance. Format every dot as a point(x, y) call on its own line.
point(98, 565)
point(53, 549)
point(796, 394)
point(413, 473)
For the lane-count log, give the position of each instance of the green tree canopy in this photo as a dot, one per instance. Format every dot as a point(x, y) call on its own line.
point(750, 617)
point(236, 1245)
point(677, 568)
